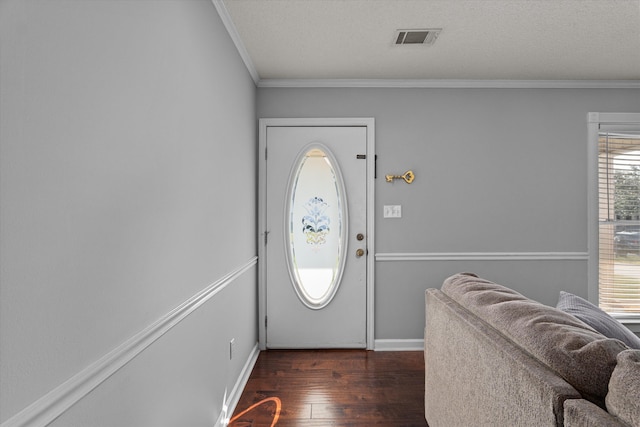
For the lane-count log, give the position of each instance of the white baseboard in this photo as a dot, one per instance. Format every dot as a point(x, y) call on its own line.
point(238, 388)
point(221, 421)
point(399, 345)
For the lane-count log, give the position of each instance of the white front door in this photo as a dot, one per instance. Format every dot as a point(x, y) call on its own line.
point(315, 228)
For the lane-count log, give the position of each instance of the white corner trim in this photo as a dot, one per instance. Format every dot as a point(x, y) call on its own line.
point(399, 345)
point(448, 84)
point(484, 256)
point(50, 406)
point(237, 40)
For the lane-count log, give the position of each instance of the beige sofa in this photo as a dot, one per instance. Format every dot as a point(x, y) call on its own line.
point(495, 358)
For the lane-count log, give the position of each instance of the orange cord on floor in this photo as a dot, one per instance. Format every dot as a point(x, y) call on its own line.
point(275, 417)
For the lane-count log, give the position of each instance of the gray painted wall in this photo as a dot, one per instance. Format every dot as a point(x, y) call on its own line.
point(497, 171)
point(128, 184)
point(121, 124)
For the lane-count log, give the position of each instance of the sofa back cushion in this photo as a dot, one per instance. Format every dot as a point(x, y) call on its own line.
point(579, 354)
point(623, 399)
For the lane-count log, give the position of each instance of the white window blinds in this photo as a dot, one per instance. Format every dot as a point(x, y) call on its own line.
point(619, 220)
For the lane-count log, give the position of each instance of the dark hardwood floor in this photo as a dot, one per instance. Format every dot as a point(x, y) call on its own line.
point(355, 388)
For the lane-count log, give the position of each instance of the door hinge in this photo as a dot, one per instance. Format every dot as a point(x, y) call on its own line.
point(361, 156)
point(265, 321)
point(265, 153)
point(266, 234)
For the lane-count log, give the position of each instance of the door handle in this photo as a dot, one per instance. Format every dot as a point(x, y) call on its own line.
point(359, 252)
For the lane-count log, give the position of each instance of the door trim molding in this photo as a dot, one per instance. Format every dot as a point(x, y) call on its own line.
point(264, 123)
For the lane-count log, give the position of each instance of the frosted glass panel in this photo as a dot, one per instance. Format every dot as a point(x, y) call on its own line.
point(316, 214)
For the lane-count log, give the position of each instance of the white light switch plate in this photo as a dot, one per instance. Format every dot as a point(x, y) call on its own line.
point(392, 211)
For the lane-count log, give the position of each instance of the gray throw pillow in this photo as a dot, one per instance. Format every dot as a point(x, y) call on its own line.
point(624, 388)
point(597, 319)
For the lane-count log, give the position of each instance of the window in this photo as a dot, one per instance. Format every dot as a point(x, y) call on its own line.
point(316, 226)
point(618, 213)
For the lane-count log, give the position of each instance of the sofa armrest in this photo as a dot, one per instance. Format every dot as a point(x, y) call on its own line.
point(475, 376)
point(582, 413)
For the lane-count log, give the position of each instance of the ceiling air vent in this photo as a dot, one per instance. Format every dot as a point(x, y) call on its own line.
point(424, 37)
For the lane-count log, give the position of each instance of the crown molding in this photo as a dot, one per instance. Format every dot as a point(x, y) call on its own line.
point(448, 84)
point(225, 16)
point(235, 36)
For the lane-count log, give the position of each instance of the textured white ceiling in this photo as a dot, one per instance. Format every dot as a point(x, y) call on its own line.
point(481, 39)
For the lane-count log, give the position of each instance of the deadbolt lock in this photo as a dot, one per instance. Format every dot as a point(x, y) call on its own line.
point(360, 236)
point(359, 252)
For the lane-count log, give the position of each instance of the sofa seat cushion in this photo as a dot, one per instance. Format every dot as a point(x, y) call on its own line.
point(579, 354)
point(623, 399)
point(597, 319)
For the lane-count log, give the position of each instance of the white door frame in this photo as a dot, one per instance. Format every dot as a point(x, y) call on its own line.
point(369, 123)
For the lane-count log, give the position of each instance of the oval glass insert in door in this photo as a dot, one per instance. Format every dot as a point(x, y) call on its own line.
point(316, 224)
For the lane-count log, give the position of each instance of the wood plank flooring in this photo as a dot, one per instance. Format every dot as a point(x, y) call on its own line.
point(351, 388)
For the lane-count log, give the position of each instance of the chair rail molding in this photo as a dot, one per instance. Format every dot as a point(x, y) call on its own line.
point(482, 256)
point(53, 404)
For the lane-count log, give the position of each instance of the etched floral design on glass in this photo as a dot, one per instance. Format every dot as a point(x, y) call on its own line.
point(316, 224)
